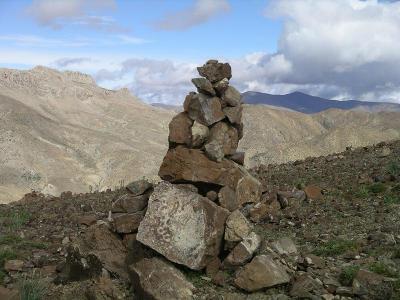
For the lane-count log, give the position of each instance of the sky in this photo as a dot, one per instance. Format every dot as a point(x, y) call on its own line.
point(338, 49)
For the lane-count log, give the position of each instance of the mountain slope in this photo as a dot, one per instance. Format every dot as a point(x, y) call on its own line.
point(310, 104)
point(59, 131)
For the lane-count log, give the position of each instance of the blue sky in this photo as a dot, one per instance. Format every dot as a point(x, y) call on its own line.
point(342, 49)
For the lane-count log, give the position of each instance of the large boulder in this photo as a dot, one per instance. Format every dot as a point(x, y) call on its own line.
point(223, 140)
point(261, 272)
point(182, 164)
point(180, 129)
point(155, 278)
point(215, 71)
point(183, 226)
point(204, 109)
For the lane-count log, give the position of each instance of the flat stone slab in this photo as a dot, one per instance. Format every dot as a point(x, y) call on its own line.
point(183, 226)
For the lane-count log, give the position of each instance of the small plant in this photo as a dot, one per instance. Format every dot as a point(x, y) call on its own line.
point(391, 199)
point(383, 269)
point(335, 247)
point(394, 168)
point(15, 219)
point(32, 289)
point(5, 255)
point(363, 192)
point(377, 188)
point(348, 274)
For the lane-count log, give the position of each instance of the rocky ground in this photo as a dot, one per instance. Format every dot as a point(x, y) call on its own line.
point(341, 242)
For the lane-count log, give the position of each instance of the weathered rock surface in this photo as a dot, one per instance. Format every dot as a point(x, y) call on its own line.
point(180, 129)
point(158, 279)
point(97, 248)
point(127, 222)
point(284, 246)
point(200, 134)
point(261, 272)
point(183, 226)
point(204, 86)
point(13, 265)
point(223, 140)
point(215, 71)
point(237, 227)
point(243, 251)
point(234, 114)
point(221, 86)
point(371, 285)
point(204, 109)
point(139, 187)
point(304, 287)
point(232, 96)
point(313, 192)
point(128, 203)
point(237, 157)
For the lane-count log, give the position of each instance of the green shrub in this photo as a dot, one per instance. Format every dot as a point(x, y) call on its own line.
point(363, 192)
point(348, 274)
point(394, 168)
point(383, 269)
point(5, 255)
point(391, 199)
point(335, 247)
point(377, 188)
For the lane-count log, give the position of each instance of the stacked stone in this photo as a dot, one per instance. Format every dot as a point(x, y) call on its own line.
point(195, 211)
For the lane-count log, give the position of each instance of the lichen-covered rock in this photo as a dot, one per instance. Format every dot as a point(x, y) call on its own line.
point(237, 227)
point(183, 226)
point(156, 279)
point(221, 86)
point(180, 129)
point(200, 134)
point(215, 71)
point(204, 86)
point(223, 140)
point(261, 272)
point(204, 109)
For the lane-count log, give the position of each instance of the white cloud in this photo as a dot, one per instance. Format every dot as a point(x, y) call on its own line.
point(58, 13)
point(68, 62)
point(37, 41)
point(201, 11)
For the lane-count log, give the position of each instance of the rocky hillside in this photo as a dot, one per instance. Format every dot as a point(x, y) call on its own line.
point(60, 131)
point(331, 222)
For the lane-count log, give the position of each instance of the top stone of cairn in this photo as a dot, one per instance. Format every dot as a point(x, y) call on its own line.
point(215, 71)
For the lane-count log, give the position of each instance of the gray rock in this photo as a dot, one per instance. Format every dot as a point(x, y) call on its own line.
point(223, 140)
point(261, 272)
point(183, 226)
point(221, 86)
point(158, 279)
point(139, 187)
point(180, 129)
point(232, 96)
point(234, 114)
point(200, 134)
point(237, 227)
point(204, 86)
point(284, 246)
point(304, 287)
point(243, 251)
point(204, 109)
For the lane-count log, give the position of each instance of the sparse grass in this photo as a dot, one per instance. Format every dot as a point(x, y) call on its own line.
point(32, 289)
point(5, 254)
point(19, 243)
point(383, 269)
point(194, 277)
point(335, 247)
point(391, 199)
point(394, 168)
point(377, 188)
point(348, 274)
point(15, 219)
point(396, 253)
point(363, 192)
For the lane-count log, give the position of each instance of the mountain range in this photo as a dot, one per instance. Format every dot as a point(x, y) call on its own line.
point(59, 131)
point(310, 104)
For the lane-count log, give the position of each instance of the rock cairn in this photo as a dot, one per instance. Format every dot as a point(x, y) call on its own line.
point(195, 213)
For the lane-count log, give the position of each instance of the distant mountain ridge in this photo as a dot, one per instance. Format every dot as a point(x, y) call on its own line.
point(308, 104)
